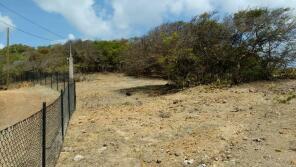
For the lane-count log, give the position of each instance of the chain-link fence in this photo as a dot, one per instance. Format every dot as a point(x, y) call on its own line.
point(37, 140)
point(54, 80)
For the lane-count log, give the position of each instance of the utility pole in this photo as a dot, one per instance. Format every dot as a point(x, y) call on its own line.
point(7, 59)
point(71, 65)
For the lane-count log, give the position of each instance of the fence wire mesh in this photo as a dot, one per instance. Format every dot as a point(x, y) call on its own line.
point(21, 144)
point(53, 132)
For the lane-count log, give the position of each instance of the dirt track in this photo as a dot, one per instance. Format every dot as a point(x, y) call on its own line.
point(19, 104)
point(248, 125)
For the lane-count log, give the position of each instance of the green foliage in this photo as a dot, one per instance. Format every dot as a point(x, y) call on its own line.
point(249, 45)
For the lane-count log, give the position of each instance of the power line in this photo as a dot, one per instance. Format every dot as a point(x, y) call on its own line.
point(30, 21)
point(25, 32)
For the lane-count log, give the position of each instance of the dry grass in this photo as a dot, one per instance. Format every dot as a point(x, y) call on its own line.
point(19, 104)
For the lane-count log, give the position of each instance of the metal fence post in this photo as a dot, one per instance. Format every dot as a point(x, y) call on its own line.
point(45, 75)
point(62, 112)
point(69, 100)
point(51, 81)
point(44, 134)
point(64, 78)
point(57, 78)
point(40, 78)
point(33, 78)
point(74, 95)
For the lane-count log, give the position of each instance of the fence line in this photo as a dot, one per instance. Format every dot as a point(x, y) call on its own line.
point(37, 140)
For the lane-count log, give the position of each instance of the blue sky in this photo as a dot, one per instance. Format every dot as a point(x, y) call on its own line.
point(109, 19)
point(28, 8)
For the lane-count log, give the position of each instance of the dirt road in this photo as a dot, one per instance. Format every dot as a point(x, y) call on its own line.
point(19, 104)
point(126, 122)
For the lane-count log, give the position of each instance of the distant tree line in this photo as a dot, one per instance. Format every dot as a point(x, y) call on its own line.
point(254, 44)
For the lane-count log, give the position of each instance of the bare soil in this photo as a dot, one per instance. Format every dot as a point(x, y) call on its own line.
point(126, 122)
point(19, 104)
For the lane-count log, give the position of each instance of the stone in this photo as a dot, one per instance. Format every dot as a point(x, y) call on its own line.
point(176, 154)
point(293, 162)
point(252, 90)
point(228, 156)
point(258, 140)
point(267, 157)
point(128, 93)
point(188, 161)
point(236, 109)
point(292, 145)
point(202, 165)
point(102, 149)
point(78, 158)
point(177, 101)
point(158, 161)
point(67, 149)
point(164, 114)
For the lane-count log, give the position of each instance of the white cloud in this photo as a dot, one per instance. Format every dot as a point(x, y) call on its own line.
point(79, 12)
point(5, 22)
point(71, 37)
point(131, 17)
point(2, 46)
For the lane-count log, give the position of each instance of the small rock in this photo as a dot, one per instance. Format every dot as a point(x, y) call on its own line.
point(102, 149)
point(252, 90)
point(67, 149)
point(278, 150)
point(222, 138)
point(177, 154)
point(164, 114)
point(105, 145)
point(267, 157)
point(128, 93)
point(158, 161)
point(292, 145)
point(78, 158)
point(259, 140)
point(148, 158)
point(257, 148)
point(236, 109)
point(188, 161)
point(202, 165)
point(177, 101)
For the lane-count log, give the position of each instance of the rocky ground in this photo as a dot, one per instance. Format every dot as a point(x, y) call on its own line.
point(124, 121)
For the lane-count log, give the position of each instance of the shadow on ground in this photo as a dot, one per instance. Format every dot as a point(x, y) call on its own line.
point(151, 90)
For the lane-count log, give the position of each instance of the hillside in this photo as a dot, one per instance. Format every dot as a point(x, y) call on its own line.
point(124, 121)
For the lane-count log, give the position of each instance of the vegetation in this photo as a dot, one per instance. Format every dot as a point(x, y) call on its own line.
point(249, 45)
